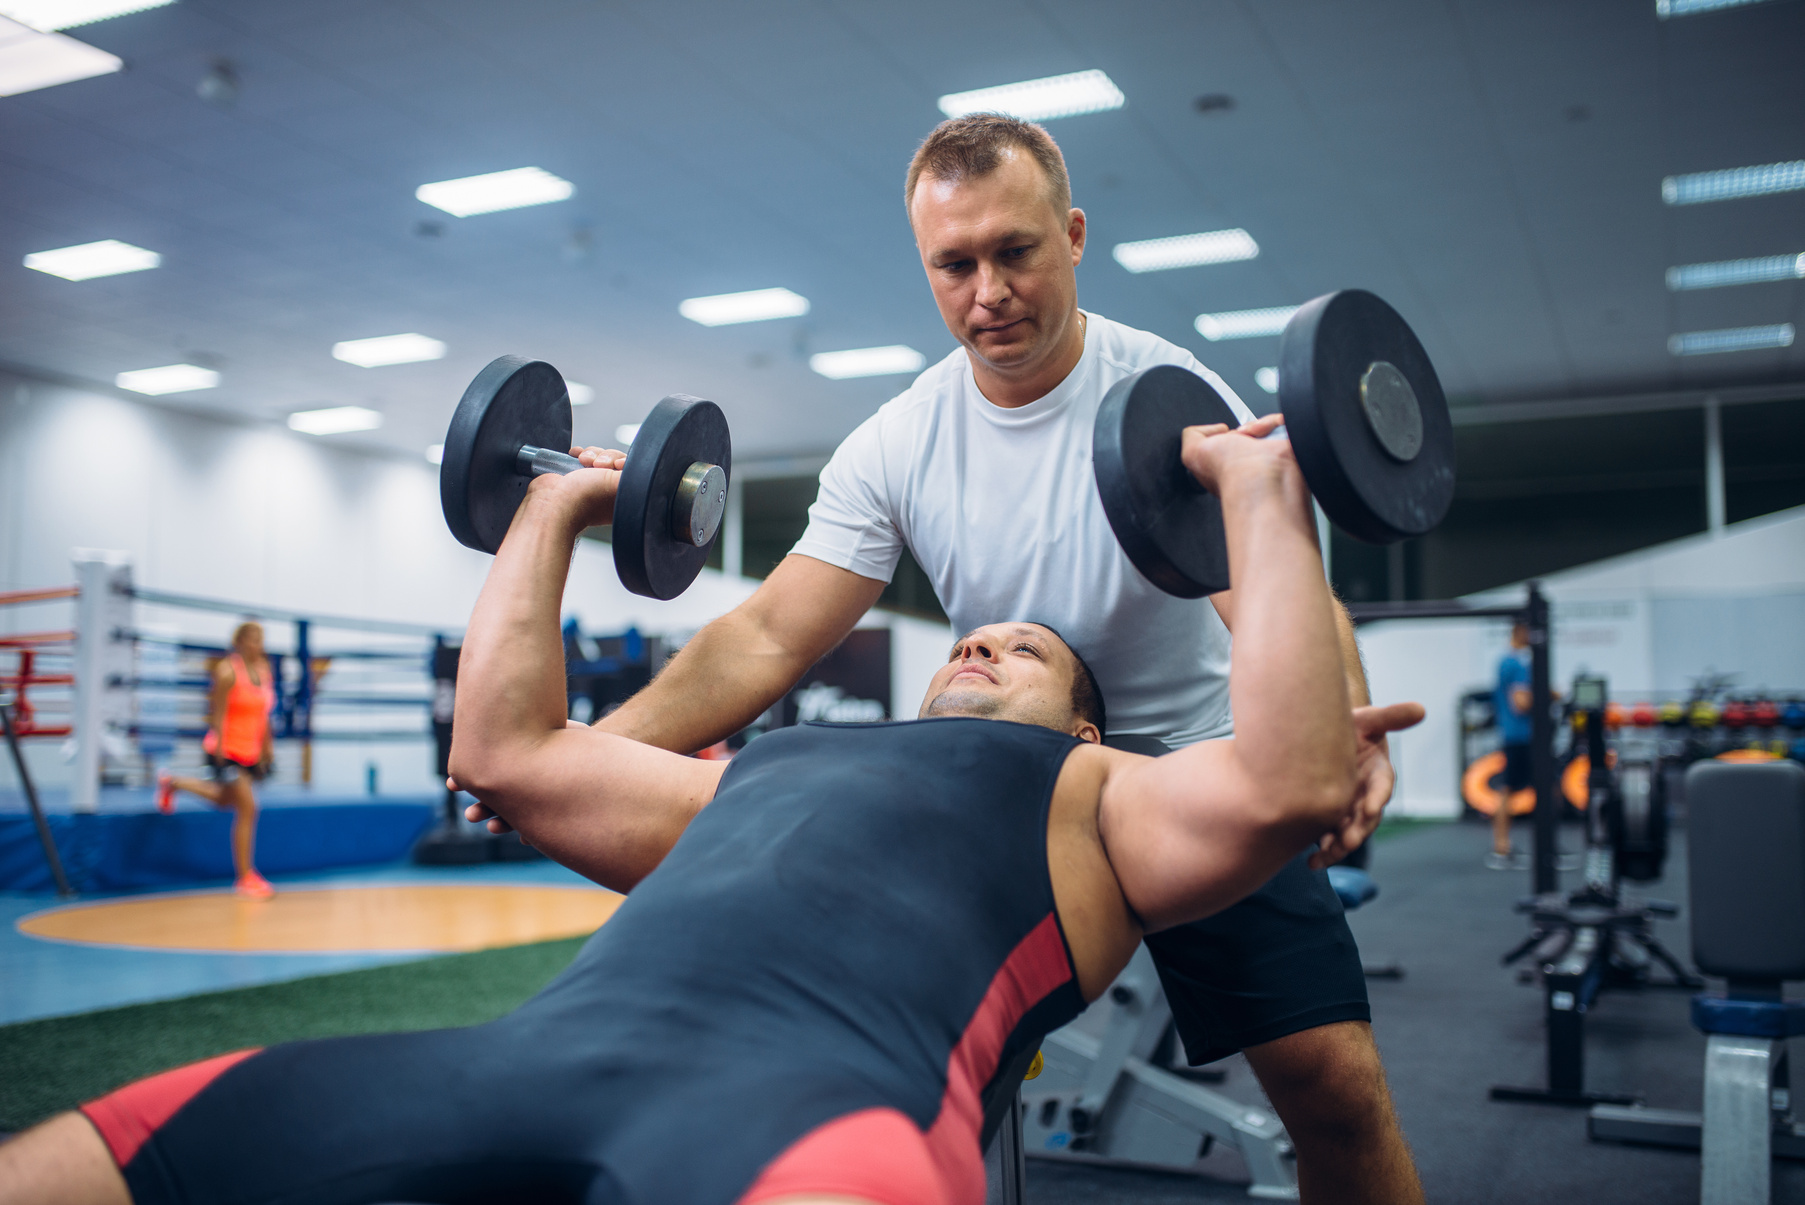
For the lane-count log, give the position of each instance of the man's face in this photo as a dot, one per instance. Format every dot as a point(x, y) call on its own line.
point(1000, 260)
point(1009, 671)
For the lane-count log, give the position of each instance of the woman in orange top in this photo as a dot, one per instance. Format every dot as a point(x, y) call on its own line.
point(238, 749)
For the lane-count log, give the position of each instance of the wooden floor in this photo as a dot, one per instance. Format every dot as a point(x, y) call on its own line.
point(380, 917)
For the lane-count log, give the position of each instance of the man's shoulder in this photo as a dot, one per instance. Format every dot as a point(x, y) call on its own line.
point(1133, 349)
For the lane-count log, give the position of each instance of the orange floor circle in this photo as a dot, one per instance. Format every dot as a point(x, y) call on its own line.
point(391, 917)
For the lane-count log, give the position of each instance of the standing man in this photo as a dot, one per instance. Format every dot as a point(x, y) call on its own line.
point(982, 469)
point(1511, 703)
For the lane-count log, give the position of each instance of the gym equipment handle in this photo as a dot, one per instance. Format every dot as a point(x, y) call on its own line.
point(537, 462)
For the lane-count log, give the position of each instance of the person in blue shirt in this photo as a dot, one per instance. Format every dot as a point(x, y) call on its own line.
point(1511, 704)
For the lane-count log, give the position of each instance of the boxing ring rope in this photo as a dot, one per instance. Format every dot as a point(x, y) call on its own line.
point(132, 693)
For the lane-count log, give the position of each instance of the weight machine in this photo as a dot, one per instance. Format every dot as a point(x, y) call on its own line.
point(1599, 936)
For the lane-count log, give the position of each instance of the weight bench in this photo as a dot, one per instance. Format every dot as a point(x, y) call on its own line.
point(1746, 852)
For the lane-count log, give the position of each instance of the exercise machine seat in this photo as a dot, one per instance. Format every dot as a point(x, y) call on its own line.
point(1353, 885)
point(1746, 851)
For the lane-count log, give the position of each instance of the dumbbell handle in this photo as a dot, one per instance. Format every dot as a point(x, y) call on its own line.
point(700, 501)
point(537, 462)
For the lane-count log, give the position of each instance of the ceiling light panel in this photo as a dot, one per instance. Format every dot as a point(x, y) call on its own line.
point(1244, 324)
point(336, 420)
point(435, 454)
point(30, 60)
point(496, 191)
point(1685, 8)
point(1186, 251)
point(1736, 272)
point(757, 305)
point(1040, 99)
point(109, 257)
point(1734, 182)
point(1267, 379)
point(388, 349)
point(1740, 338)
point(67, 14)
point(171, 378)
point(867, 362)
point(625, 434)
point(580, 395)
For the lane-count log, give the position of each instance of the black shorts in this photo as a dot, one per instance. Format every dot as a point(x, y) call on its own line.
point(1279, 962)
point(227, 769)
point(1516, 767)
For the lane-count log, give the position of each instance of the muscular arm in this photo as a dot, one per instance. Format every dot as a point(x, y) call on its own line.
point(743, 662)
point(1189, 833)
point(1358, 692)
point(607, 807)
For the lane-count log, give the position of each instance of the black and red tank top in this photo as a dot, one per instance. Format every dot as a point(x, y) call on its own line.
point(861, 918)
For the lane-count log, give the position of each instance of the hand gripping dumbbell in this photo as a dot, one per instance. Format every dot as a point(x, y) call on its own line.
point(513, 424)
point(1365, 415)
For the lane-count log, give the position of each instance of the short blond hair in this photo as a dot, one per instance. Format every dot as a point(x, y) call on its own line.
point(974, 145)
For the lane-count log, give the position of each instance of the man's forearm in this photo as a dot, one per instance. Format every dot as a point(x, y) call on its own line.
point(1358, 692)
point(511, 686)
point(737, 666)
point(1288, 679)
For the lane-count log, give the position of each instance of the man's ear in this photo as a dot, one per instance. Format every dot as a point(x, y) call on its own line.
point(1075, 230)
point(1084, 730)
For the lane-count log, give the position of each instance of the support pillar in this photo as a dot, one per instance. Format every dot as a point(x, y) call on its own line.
point(1714, 468)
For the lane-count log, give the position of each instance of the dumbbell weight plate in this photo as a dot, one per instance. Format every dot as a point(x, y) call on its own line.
point(1170, 526)
point(1366, 417)
point(658, 515)
point(512, 402)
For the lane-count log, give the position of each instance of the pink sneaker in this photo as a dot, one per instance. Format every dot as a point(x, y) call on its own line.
point(165, 793)
point(253, 886)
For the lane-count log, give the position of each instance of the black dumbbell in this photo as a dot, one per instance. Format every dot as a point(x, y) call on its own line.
point(1363, 409)
point(514, 422)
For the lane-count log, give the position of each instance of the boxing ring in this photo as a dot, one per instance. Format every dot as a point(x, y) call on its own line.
point(101, 702)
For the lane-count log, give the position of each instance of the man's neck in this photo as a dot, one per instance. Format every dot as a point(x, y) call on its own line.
point(1010, 390)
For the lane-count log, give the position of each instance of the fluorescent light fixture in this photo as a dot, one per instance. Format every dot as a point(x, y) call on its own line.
point(1186, 250)
point(496, 191)
point(1734, 182)
point(1736, 272)
point(625, 434)
point(388, 349)
point(580, 395)
point(336, 420)
point(1739, 338)
point(1244, 324)
point(758, 305)
point(1685, 8)
point(109, 257)
point(435, 453)
point(1040, 99)
point(30, 59)
point(171, 378)
point(867, 362)
point(50, 15)
point(1267, 379)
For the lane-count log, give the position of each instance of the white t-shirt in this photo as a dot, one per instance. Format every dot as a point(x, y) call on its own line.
point(1000, 509)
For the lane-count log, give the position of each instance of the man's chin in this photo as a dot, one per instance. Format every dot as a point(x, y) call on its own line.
point(972, 704)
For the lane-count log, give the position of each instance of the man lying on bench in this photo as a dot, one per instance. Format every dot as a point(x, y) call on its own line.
point(832, 944)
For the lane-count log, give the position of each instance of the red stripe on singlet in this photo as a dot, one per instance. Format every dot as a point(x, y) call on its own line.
point(128, 1117)
point(878, 1155)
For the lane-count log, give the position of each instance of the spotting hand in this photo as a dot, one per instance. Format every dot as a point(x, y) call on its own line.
point(1373, 779)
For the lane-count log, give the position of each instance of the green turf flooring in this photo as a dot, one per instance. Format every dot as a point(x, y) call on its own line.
point(51, 1065)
